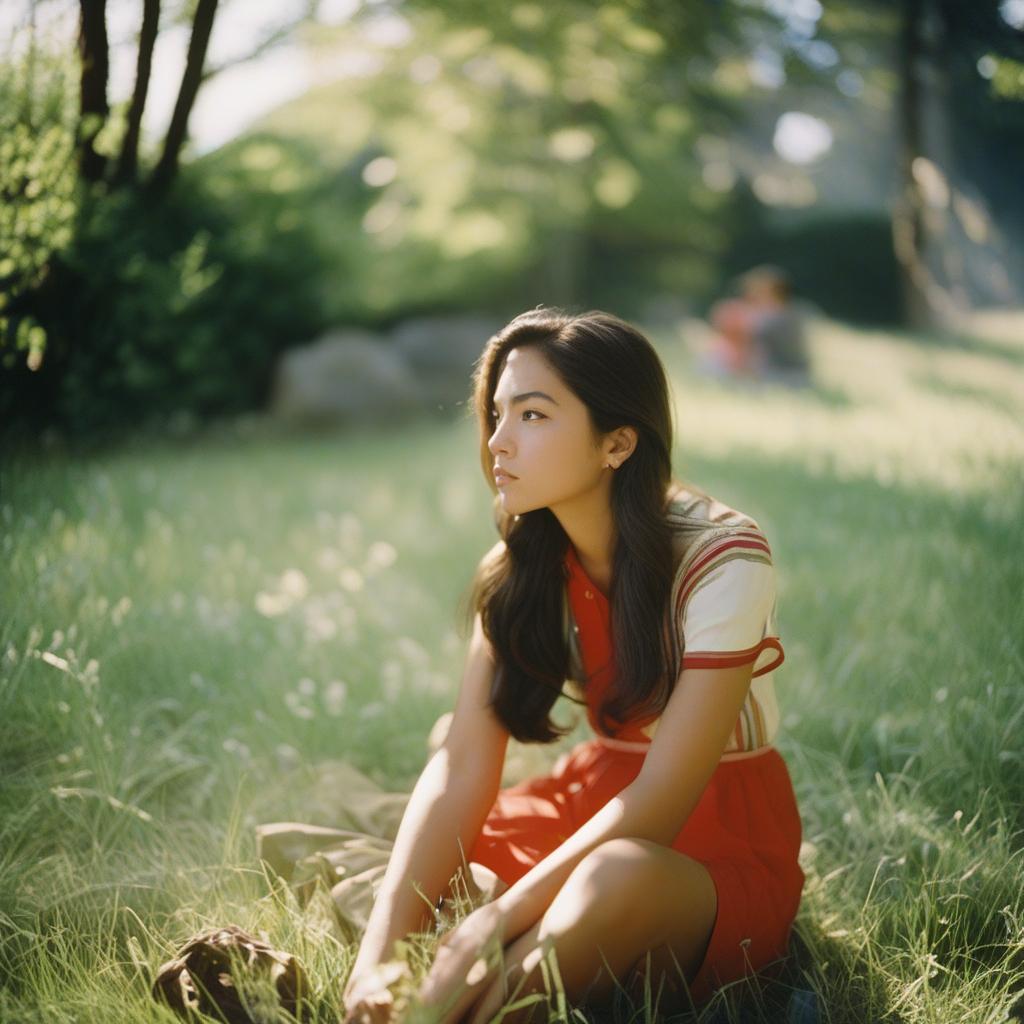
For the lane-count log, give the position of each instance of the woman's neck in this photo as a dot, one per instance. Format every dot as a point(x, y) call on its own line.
point(590, 527)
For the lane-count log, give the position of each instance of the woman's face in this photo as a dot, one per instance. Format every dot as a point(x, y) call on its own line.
point(542, 435)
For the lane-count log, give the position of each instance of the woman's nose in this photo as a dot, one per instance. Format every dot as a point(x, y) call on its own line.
point(498, 441)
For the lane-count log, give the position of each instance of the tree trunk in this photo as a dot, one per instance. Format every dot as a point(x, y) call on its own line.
point(93, 109)
point(927, 303)
point(944, 243)
point(167, 166)
point(127, 166)
point(908, 214)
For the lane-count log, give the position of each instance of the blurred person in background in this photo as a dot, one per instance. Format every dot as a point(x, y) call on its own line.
point(777, 326)
point(759, 334)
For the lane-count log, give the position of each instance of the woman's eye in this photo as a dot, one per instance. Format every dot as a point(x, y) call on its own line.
point(526, 412)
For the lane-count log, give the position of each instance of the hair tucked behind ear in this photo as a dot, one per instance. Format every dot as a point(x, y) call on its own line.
point(520, 593)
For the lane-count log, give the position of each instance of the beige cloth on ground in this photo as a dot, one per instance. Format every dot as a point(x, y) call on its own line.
point(349, 860)
point(350, 857)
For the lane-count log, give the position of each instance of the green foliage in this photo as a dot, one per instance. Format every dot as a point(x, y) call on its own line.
point(1008, 79)
point(37, 194)
point(155, 309)
point(508, 162)
point(119, 308)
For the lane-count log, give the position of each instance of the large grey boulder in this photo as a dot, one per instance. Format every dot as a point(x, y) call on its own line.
point(441, 352)
point(348, 376)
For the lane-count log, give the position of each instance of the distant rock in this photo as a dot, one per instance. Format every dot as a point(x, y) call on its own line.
point(425, 366)
point(347, 376)
point(441, 352)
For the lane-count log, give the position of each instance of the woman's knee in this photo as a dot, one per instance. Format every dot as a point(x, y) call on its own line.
point(617, 860)
point(613, 879)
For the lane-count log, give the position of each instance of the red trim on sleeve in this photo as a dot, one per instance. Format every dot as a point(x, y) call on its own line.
point(730, 659)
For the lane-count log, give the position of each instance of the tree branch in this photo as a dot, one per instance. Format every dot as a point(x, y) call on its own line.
point(92, 108)
point(202, 25)
point(128, 162)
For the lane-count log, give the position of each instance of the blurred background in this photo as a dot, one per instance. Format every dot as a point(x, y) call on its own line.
point(191, 190)
point(249, 252)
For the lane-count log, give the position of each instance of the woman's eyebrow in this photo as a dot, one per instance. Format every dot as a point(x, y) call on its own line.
point(529, 394)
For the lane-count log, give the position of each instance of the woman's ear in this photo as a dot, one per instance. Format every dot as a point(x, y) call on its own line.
point(621, 443)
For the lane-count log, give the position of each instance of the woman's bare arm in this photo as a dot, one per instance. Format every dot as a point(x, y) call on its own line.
point(448, 806)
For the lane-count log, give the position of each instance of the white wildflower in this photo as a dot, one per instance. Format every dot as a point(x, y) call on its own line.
point(272, 605)
point(319, 626)
point(335, 696)
point(233, 746)
point(351, 579)
point(120, 610)
point(296, 707)
point(380, 555)
point(57, 662)
point(294, 583)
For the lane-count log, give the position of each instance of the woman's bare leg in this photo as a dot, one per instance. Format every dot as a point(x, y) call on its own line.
point(625, 898)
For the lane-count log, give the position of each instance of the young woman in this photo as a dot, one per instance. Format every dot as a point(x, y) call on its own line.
point(670, 840)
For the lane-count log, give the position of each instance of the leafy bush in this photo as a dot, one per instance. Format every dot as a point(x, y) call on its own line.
point(154, 308)
point(38, 199)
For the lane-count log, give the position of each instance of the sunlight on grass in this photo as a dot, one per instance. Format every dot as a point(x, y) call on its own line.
point(904, 414)
point(192, 630)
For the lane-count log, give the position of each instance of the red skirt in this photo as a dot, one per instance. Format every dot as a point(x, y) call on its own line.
point(745, 830)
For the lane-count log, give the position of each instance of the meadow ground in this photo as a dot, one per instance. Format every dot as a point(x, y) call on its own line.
point(191, 627)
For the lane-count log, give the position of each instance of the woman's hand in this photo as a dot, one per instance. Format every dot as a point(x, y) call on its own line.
point(368, 998)
point(465, 962)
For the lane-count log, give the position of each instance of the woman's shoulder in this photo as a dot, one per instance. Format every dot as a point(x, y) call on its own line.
point(702, 525)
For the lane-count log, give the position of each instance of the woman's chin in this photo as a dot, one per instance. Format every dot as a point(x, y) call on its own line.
point(513, 506)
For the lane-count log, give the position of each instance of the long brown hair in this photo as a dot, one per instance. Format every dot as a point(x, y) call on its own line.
point(520, 594)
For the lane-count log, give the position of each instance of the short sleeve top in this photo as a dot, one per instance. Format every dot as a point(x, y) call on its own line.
point(723, 604)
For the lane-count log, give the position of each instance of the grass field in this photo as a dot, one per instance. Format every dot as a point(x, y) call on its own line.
point(191, 627)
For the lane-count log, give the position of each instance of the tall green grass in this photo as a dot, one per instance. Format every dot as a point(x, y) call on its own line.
point(190, 627)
